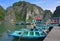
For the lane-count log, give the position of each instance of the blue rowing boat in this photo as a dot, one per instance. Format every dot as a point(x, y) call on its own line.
point(28, 33)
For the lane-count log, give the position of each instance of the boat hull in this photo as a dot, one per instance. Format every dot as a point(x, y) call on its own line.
point(30, 37)
point(27, 34)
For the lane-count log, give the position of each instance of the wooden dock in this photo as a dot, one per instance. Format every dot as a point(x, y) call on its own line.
point(54, 35)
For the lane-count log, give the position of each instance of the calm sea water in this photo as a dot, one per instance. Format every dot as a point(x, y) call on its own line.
point(5, 27)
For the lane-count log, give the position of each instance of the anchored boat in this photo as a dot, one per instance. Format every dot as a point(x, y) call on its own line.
point(28, 34)
point(36, 32)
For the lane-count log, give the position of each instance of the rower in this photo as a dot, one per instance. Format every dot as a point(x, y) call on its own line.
point(34, 25)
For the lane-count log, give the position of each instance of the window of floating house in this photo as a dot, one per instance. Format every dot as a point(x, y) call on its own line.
point(54, 21)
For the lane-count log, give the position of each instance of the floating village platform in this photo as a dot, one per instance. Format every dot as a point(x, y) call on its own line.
point(54, 34)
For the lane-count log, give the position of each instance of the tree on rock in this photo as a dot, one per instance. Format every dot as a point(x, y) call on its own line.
point(57, 12)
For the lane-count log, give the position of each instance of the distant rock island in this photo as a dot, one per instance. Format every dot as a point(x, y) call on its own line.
point(23, 11)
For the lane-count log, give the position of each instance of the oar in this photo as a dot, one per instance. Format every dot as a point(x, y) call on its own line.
point(19, 39)
point(44, 31)
point(8, 30)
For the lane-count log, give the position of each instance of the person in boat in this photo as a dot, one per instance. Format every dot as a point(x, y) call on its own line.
point(34, 25)
point(45, 31)
point(31, 29)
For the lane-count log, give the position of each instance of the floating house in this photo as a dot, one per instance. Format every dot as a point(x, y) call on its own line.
point(36, 20)
point(55, 21)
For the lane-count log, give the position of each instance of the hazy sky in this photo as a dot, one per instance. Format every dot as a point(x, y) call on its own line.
point(44, 4)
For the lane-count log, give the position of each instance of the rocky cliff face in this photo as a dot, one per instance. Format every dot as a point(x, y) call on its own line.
point(10, 15)
point(47, 15)
point(25, 11)
point(56, 12)
point(2, 13)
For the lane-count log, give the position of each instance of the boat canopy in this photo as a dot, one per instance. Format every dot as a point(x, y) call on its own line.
point(36, 18)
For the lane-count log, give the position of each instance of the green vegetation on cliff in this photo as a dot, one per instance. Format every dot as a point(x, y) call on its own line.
point(22, 11)
point(57, 12)
point(23, 8)
point(47, 15)
point(2, 13)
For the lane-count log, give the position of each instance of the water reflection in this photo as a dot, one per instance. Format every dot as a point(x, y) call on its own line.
point(9, 26)
point(0, 35)
point(5, 37)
